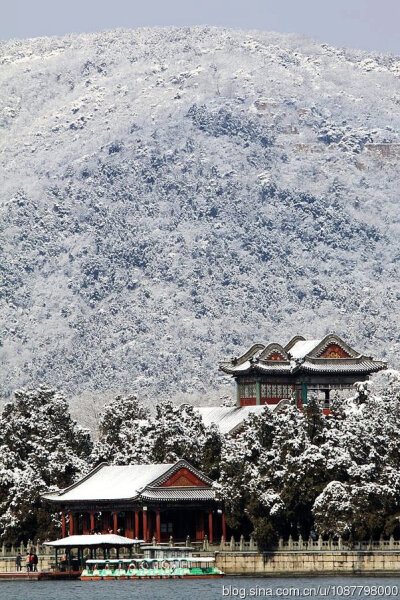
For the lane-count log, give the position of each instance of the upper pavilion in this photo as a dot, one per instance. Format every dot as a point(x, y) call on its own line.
point(269, 374)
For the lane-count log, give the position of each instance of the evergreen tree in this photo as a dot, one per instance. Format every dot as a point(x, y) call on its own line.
point(368, 489)
point(41, 447)
point(211, 452)
point(125, 432)
point(179, 432)
point(129, 435)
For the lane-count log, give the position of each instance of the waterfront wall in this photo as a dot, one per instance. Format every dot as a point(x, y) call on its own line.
point(277, 564)
point(311, 563)
point(7, 564)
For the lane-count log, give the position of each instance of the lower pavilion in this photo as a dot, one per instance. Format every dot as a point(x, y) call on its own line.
point(142, 501)
point(268, 375)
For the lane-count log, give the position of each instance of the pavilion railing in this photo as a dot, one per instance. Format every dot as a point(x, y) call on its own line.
point(38, 547)
point(234, 545)
point(304, 545)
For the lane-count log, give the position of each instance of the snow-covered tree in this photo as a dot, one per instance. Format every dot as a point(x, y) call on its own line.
point(41, 447)
point(129, 435)
point(292, 471)
point(125, 432)
point(179, 432)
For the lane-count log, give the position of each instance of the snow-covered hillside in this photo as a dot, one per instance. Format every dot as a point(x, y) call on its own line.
point(170, 196)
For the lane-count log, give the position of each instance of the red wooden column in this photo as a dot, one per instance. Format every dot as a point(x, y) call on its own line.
point(158, 526)
point(91, 521)
point(63, 525)
point(223, 523)
point(200, 526)
point(115, 522)
point(137, 523)
point(105, 522)
point(145, 524)
point(210, 527)
point(85, 524)
point(128, 524)
point(71, 524)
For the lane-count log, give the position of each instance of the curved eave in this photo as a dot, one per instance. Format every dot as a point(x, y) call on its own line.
point(179, 495)
point(63, 500)
point(51, 498)
point(364, 367)
point(232, 369)
point(274, 368)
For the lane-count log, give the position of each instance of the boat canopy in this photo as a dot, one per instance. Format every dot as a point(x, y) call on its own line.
point(109, 540)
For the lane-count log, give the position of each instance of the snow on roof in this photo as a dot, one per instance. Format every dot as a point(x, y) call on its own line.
point(112, 483)
point(342, 366)
point(243, 366)
point(229, 418)
point(109, 539)
point(302, 348)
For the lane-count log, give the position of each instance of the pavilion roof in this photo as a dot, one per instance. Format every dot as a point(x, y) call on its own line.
point(229, 418)
point(129, 482)
point(301, 355)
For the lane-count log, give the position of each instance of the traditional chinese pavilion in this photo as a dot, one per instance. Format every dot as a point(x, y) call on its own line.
point(272, 373)
point(142, 501)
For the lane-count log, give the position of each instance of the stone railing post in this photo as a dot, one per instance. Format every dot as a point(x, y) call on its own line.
point(290, 543)
point(319, 542)
point(222, 544)
point(22, 549)
point(170, 541)
point(330, 543)
point(340, 543)
point(187, 541)
point(280, 543)
point(153, 541)
point(232, 544)
point(3, 549)
point(241, 543)
point(251, 544)
point(12, 550)
point(38, 546)
point(205, 543)
point(300, 542)
point(381, 543)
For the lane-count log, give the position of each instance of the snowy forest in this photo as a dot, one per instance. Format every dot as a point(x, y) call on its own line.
point(167, 195)
point(286, 473)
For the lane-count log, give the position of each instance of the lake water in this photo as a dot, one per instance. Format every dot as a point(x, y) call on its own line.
point(317, 588)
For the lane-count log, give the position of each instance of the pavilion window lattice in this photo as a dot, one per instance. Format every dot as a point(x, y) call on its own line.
point(272, 390)
point(247, 390)
point(268, 390)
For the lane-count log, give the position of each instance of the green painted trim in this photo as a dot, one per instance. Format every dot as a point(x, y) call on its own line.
point(258, 392)
point(304, 393)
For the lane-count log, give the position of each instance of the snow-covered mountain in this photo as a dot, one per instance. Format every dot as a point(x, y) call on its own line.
point(170, 196)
